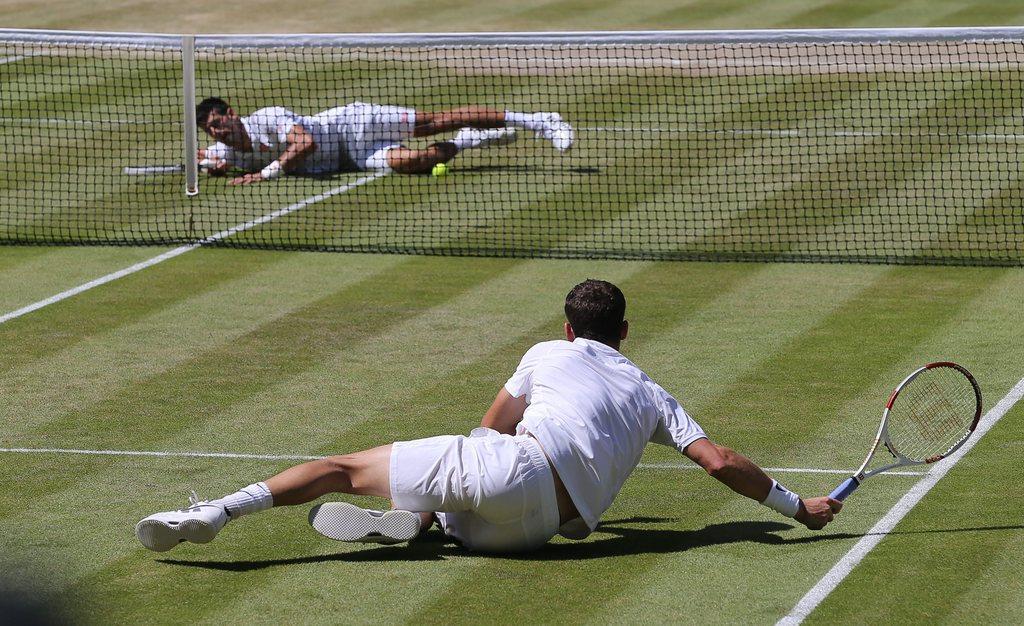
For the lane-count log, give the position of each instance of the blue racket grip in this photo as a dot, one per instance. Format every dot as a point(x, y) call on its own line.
point(845, 489)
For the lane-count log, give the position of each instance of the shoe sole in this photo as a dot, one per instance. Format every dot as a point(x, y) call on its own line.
point(346, 522)
point(161, 536)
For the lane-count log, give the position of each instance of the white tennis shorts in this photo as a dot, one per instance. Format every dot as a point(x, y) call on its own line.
point(492, 492)
point(370, 130)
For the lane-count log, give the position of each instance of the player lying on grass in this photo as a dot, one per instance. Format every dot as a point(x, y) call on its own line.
point(358, 136)
point(551, 454)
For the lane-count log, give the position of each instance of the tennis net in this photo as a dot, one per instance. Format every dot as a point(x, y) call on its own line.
point(891, 146)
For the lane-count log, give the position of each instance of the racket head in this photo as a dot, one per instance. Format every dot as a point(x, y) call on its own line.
point(932, 413)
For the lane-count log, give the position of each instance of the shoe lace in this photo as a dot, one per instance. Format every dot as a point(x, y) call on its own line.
point(193, 498)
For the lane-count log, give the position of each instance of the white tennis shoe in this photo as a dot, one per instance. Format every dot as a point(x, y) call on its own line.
point(485, 137)
point(556, 130)
point(198, 523)
point(346, 522)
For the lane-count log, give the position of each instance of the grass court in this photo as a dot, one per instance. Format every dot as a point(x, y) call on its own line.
point(270, 356)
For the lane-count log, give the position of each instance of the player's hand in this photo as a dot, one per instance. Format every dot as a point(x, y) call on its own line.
point(217, 167)
point(815, 513)
point(247, 179)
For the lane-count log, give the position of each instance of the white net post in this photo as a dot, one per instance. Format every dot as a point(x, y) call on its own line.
point(188, 66)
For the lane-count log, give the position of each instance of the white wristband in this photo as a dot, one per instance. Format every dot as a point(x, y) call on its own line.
point(272, 171)
point(782, 500)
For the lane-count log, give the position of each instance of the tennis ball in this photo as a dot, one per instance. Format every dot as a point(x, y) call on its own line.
point(440, 170)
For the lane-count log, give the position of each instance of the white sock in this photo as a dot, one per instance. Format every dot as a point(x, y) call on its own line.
point(251, 499)
point(529, 121)
point(465, 138)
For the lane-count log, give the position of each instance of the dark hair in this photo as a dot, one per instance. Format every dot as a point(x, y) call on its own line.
point(207, 106)
point(595, 310)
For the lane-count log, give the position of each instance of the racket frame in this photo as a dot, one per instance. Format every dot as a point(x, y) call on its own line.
point(850, 484)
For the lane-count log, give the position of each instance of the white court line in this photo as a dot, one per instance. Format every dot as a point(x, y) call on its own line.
point(808, 132)
point(100, 123)
point(12, 59)
point(842, 569)
point(305, 457)
point(170, 254)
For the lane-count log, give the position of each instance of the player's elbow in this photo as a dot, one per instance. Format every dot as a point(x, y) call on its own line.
point(721, 465)
point(716, 469)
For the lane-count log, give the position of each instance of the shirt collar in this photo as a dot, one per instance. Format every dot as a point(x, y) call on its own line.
point(596, 345)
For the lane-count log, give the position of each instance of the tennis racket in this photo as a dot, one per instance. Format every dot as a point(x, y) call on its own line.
point(154, 170)
point(929, 415)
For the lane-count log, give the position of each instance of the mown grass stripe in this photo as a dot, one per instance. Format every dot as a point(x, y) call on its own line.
point(380, 388)
point(823, 12)
point(167, 323)
point(218, 376)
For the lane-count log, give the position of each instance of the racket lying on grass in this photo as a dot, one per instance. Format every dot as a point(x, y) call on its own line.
point(154, 170)
point(929, 415)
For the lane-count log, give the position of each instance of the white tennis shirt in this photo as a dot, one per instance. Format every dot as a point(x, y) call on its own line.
point(268, 130)
point(593, 411)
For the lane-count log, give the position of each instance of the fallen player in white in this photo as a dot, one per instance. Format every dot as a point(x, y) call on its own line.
point(359, 136)
point(551, 454)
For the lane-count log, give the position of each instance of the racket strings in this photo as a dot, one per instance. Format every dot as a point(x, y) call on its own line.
point(932, 414)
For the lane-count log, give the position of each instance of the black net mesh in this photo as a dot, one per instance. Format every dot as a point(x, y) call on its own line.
point(897, 151)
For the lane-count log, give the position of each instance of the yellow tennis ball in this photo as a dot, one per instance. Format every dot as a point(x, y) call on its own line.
point(440, 170)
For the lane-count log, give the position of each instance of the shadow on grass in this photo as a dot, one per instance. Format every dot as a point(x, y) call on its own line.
point(475, 169)
point(562, 169)
point(626, 539)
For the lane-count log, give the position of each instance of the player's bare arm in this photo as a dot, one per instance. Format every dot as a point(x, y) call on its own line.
point(505, 413)
point(300, 145)
point(745, 478)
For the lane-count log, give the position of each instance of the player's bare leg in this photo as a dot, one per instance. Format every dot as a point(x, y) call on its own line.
point(549, 126)
point(432, 123)
point(410, 161)
point(362, 473)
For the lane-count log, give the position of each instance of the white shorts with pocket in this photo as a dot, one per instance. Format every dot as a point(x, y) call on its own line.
point(492, 492)
point(370, 130)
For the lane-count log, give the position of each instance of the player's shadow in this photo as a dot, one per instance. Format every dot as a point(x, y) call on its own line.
point(619, 537)
point(527, 168)
point(628, 536)
point(626, 539)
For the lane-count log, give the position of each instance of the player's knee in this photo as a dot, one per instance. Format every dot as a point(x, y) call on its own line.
point(338, 468)
point(355, 473)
